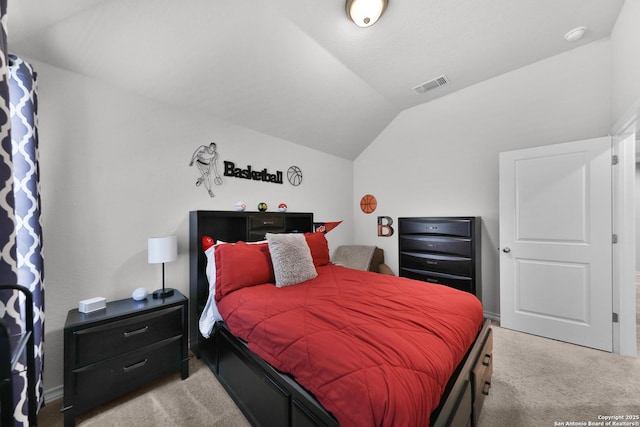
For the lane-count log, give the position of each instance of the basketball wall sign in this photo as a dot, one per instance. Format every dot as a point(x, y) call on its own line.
point(294, 174)
point(368, 203)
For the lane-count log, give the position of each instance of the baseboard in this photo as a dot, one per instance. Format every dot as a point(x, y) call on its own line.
point(492, 316)
point(53, 393)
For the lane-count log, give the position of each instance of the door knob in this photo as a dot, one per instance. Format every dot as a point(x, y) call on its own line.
point(506, 250)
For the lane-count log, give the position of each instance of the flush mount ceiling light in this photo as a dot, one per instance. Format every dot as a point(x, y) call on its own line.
point(575, 34)
point(365, 13)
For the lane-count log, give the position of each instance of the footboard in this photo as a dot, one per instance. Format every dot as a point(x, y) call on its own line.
point(463, 398)
point(269, 397)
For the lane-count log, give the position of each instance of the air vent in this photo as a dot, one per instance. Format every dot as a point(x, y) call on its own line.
point(431, 84)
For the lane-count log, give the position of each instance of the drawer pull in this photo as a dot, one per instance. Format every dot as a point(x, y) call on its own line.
point(487, 360)
point(486, 388)
point(432, 227)
point(432, 262)
point(267, 222)
point(136, 332)
point(135, 366)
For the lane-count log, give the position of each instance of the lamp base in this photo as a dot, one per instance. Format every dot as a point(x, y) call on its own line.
point(162, 293)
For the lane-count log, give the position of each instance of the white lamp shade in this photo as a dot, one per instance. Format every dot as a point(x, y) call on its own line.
point(162, 249)
point(365, 13)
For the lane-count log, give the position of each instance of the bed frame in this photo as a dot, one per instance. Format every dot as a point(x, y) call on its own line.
point(269, 397)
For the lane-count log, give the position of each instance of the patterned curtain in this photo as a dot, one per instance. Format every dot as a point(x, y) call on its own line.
point(8, 262)
point(26, 190)
point(20, 231)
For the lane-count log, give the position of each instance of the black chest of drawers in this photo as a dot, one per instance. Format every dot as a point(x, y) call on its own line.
point(115, 350)
point(444, 250)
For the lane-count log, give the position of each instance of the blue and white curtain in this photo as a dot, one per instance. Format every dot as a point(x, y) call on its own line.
point(20, 227)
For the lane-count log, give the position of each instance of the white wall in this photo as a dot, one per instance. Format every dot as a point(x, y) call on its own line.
point(637, 194)
point(115, 171)
point(625, 61)
point(441, 158)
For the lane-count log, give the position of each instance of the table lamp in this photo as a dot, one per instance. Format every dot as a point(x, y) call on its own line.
point(161, 250)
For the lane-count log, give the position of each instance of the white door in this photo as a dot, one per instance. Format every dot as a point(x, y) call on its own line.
point(555, 242)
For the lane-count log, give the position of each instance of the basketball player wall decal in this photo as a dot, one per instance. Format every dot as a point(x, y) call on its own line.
point(206, 159)
point(368, 203)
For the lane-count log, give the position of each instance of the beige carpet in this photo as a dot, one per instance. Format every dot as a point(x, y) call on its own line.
point(197, 401)
point(536, 382)
point(541, 382)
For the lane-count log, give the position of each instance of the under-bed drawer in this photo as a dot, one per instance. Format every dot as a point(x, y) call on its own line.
point(259, 396)
point(481, 376)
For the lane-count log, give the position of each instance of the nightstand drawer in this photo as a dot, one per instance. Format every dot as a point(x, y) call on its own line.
point(101, 342)
point(127, 371)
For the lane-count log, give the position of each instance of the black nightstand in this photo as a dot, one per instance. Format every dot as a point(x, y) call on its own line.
point(113, 351)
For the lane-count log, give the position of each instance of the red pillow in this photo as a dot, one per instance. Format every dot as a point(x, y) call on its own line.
point(239, 265)
point(319, 248)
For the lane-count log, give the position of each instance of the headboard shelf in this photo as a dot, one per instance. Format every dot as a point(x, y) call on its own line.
point(230, 226)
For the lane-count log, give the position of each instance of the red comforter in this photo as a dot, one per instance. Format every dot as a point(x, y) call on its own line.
point(375, 350)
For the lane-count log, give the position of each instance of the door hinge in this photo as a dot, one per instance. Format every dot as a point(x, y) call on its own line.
point(615, 317)
point(614, 159)
point(614, 238)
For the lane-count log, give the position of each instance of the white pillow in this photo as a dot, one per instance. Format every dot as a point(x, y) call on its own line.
point(210, 314)
point(291, 258)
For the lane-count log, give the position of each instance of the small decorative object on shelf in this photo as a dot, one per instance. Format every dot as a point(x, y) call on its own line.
point(240, 206)
point(207, 242)
point(282, 207)
point(262, 206)
point(139, 294)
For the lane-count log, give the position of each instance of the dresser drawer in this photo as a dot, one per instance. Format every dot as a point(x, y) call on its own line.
point(101, 342)
point(439, 263)
point(481, 376)
point(127, 371)
point(450, 227)
point(446, 245)
point(458, 282)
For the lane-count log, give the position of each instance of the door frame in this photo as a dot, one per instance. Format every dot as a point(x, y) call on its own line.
point(624, 134)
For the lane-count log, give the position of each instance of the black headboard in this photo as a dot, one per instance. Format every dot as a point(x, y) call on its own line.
point(229, 226)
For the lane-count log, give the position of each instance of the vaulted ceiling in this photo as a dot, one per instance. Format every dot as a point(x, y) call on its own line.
point(298, 69)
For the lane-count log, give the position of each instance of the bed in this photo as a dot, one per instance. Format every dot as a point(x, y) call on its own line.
point(321, 377)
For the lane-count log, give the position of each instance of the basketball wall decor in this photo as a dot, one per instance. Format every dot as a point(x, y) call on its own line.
point(294, 175)
point(368, 203)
